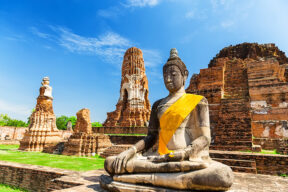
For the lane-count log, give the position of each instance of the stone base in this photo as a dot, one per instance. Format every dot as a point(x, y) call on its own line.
point(107, 183)
point(86, 144)
point(38, 140)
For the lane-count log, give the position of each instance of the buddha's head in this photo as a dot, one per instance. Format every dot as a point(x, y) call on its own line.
point(45, 81)
point(175, 72)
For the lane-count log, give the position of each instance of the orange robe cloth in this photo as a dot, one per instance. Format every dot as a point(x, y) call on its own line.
point(173, 117)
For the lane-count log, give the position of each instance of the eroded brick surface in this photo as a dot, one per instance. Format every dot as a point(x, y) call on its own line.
point(133, 107)
point(247, 90)
point(83, 142)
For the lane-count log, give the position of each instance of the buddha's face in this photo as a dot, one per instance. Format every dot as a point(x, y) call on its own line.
point(173, 78)
point(45, 82)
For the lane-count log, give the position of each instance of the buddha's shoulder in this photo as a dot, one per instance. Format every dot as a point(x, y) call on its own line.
point(156, 103)
point(203, 100)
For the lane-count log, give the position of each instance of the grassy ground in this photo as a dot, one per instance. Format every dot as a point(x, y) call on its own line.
point(7, 188)
point(10, 153)
point(263, 151)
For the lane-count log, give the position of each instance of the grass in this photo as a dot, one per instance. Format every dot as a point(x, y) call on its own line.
point(10, 153)
point(284, 175)
point(7, 188)
point(263, 151)
point(122, 134)
point(269, 151)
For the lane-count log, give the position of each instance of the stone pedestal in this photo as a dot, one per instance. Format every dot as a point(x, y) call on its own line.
point(106, 182)
point(86, 144)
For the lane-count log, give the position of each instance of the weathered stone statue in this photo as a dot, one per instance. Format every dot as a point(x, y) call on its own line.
point(175, 153)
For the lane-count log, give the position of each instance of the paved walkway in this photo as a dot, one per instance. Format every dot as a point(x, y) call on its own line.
point(243, 182)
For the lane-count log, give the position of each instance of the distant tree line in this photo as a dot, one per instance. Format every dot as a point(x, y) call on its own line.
point(61, 122)
point(5, 120)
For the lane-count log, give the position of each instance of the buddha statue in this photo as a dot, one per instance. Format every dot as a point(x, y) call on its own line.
point(46, 89)
point(175, 153)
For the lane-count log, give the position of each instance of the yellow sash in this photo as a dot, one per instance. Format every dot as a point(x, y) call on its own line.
point(173, 117)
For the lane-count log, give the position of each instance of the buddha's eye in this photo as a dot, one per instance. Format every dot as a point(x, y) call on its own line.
point(174, 73)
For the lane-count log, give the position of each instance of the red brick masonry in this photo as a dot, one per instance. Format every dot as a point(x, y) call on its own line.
point(34, 178)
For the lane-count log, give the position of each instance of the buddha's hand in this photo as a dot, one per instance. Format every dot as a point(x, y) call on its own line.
point(121, 160)
point(176, 156)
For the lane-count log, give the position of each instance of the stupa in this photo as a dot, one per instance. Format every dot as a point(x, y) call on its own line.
point(133, 107)
point(42, 131)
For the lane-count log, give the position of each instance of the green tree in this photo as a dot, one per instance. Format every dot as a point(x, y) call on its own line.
point(73, 120)
point(61, 122)
point(5, 120)
point(96, 124)
point(28, 119)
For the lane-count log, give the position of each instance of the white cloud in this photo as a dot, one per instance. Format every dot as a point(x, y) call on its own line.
point(220, 4)
point(115, 11)
point(15, 111)
point(226, 24)
point(35, 31)
point(196, 14)
point(190, 15)
point(152, 58)
point(110, 45)
point(141, 3)
point(111, 12)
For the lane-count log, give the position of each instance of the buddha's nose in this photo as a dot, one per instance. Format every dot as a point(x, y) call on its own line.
point(168, 78)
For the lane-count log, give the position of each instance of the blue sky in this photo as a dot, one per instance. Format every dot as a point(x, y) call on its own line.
point(80, 45)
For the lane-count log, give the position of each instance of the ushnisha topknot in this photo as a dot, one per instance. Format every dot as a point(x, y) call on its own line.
point(174, 59)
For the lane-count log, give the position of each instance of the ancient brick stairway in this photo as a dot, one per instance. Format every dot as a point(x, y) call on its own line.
point(114, 150)
point(233, 131)
point(234, 159)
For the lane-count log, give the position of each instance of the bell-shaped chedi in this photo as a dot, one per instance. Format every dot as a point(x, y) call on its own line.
point(133, 107)
point(42, 131)
point(83, 142)
point(247, 90)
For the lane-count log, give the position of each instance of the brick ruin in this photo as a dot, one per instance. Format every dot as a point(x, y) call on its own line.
point(83, 142)
point(42, 132)
point(247, 89)
point(133, 107)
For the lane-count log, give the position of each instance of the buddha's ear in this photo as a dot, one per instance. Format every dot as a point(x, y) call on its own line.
point(186, 73)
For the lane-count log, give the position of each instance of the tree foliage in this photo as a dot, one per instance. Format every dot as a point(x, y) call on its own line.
point(5, 120)
point(62, 121)
point(96, 124)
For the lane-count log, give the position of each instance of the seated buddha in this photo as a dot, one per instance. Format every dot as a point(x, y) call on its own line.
point(175, 153)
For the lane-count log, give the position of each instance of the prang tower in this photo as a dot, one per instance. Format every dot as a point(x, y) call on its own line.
point(133, 107)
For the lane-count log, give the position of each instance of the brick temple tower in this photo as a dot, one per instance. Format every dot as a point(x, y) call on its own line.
point(133, 107)
point(247, 89)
